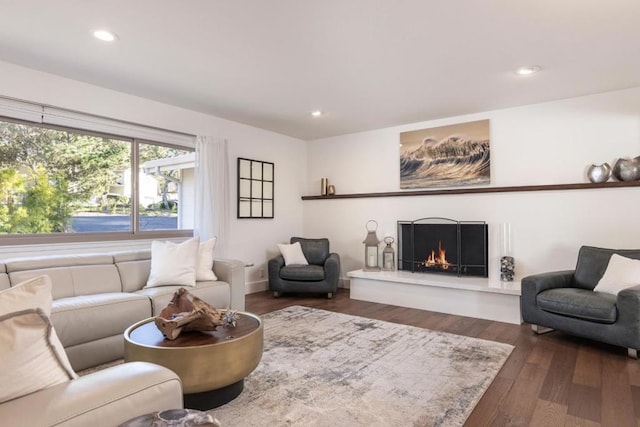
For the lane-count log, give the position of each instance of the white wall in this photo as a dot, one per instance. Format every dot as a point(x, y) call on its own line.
point(549, 143)
point(252, 241)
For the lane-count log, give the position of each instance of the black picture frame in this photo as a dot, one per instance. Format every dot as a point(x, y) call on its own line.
point(256, 189)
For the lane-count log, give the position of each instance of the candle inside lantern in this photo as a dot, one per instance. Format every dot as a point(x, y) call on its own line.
point(371, 247)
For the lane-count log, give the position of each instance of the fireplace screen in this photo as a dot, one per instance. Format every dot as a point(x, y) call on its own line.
point(442, 245)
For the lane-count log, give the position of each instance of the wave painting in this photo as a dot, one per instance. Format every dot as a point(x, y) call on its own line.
point(446, 156)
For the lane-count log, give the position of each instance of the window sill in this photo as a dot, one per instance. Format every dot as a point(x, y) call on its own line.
point(67, 238)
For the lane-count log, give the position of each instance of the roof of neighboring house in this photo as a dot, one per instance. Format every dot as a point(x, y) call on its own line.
point(185, 161)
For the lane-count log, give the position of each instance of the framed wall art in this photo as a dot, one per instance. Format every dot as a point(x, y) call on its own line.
point(446, 156)
point(255, 188)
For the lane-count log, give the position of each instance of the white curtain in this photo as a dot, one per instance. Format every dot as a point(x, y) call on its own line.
point(212, 192)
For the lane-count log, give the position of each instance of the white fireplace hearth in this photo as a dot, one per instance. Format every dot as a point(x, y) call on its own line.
point(464, 296)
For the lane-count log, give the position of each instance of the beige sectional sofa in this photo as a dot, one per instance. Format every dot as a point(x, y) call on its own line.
point(105, 398)
point(95, 298)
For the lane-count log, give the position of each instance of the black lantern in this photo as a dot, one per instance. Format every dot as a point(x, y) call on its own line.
point(371, 243)
point(388, 256)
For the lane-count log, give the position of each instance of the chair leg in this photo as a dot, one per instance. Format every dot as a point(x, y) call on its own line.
point(540, 329)
point(330, 295)
point(632, 353)
point(276, 294)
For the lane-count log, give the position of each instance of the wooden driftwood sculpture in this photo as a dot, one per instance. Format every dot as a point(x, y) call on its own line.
point(187, 312)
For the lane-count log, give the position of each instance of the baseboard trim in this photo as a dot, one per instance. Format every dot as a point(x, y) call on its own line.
point(255, 287)
point(263, 285)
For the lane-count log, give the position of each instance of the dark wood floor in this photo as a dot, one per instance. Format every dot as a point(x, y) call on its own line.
point(549, 380)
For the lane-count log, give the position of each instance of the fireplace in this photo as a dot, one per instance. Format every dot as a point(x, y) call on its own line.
point(444, 246)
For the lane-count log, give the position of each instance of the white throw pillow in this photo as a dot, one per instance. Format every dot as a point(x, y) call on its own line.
point(293, 254)
point(621, 273)
point(31, 355)
point(173, 263)
point(205, 261)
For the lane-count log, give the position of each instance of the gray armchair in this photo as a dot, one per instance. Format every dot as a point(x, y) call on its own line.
point(566, 301)
point(320, 276)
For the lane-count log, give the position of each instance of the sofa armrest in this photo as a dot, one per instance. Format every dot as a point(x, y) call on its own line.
point(332, 269)
point(232, 272)
point(107, 397)
point(532, 285)
point(628, 304)
point(273, 270)
point(540, 282)
point(274, 265)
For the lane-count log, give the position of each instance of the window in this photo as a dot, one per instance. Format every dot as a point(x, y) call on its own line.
point(82, 185)
point(165, 187)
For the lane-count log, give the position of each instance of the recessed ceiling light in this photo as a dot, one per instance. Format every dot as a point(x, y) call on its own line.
point(526, 71)
point(105, 36)
point(316, 113)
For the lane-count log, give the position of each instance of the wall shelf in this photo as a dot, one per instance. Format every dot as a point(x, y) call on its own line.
point(480, 190)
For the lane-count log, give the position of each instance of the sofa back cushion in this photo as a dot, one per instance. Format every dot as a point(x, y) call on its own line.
point(592, 263)
point(315, 250)
point(70, 275)
point(134, 268)
point(4, 278)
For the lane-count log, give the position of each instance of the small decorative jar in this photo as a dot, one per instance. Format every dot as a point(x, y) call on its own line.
point(599, 173)
point(507, 268)
point(507, 262)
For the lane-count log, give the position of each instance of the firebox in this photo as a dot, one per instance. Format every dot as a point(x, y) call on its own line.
point(443, 245)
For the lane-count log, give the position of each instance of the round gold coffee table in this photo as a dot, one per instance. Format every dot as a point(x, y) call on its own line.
point(212, 365)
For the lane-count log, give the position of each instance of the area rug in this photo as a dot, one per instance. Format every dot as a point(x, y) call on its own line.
point(321, 368)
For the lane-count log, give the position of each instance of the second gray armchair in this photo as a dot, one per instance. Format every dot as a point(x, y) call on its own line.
point(321, 275)
point(569, 301)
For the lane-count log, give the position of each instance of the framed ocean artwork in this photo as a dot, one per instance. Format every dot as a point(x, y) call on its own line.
point(450, 155)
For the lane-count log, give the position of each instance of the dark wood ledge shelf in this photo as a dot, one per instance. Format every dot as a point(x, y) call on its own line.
point(480, 190)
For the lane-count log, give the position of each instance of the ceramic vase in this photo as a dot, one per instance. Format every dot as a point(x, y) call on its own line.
point(599, 173)
point(627, 169)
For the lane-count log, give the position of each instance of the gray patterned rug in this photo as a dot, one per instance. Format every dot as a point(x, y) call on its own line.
point(321, 368)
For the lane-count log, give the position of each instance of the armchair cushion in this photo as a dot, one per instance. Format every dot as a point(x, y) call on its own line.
point(292, 254)
point(621, 273)
point(302, 273)
point(579, 303)
point(592, 263)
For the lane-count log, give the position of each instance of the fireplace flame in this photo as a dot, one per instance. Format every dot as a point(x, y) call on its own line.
point(439, 261)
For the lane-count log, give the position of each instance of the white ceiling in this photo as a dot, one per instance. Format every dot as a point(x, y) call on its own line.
point(368, 63)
